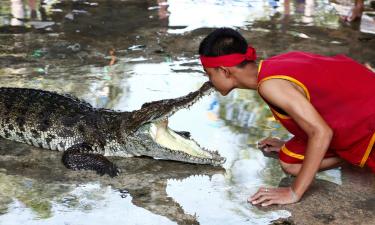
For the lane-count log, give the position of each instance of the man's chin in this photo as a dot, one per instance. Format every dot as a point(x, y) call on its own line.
point(225, 92)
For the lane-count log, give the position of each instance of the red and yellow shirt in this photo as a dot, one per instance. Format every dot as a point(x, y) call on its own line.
point(340, 89)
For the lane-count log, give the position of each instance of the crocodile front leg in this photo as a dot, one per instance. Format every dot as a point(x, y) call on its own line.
point(78, 157)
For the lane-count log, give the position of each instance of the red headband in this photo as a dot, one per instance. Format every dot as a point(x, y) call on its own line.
point(228, 60)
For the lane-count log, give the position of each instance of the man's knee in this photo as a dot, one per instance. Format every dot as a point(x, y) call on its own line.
point(292, 169)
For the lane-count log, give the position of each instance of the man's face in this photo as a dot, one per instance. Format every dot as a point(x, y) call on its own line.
point(221, 79)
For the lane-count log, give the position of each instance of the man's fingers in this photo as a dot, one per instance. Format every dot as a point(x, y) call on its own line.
point(264, 196)
point(265, 140)
point(261, 199)
point(269, 141)
point(257, 194)
point(262, 192)
point(265, 146)
point(269, 196)
point(261, 146)
point(269, 202)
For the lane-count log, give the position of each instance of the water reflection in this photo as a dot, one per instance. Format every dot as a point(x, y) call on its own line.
point(96, 29)
point(367, 20)
point(102, 17)
point(221, 14)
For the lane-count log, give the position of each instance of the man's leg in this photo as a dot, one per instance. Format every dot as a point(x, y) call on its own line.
point(327, 163)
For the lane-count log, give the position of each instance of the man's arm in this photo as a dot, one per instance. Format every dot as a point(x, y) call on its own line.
point(292, 100)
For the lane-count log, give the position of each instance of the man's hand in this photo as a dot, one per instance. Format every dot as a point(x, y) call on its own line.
point(269, 196)
point(270, 144)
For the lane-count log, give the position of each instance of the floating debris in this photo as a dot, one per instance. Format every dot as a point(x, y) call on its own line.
point(137, 47)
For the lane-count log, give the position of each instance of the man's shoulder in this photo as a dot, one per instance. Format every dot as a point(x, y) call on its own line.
point(294, 55)
point(292, 63)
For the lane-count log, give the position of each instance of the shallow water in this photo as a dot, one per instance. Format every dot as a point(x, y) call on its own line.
point(65, 46)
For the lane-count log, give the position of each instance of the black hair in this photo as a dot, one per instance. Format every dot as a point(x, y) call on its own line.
point(223, 41)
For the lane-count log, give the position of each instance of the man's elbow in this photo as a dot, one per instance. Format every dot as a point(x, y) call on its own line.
point(323, 132)
point(328, 132)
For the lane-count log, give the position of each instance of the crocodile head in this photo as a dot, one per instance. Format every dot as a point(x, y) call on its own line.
point(151, 136)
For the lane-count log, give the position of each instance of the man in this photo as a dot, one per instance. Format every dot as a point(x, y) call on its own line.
point(327, 103)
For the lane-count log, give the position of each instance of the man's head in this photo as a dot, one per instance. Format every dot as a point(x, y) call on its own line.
point(224, 53)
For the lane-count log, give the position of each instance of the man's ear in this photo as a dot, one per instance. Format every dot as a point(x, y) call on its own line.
point(225, 70)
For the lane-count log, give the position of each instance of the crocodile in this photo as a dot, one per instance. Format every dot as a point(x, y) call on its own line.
point(87, 135)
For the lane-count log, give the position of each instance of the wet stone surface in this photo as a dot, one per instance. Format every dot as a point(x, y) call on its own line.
point(329, 203)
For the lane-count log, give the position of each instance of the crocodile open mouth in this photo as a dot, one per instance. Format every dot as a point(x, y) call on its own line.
point(174, 145)
point(175, 141)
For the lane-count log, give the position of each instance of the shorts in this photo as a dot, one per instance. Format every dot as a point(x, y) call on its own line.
point(370, 163)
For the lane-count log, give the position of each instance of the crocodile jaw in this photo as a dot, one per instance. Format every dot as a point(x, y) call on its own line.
point(168, 139)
